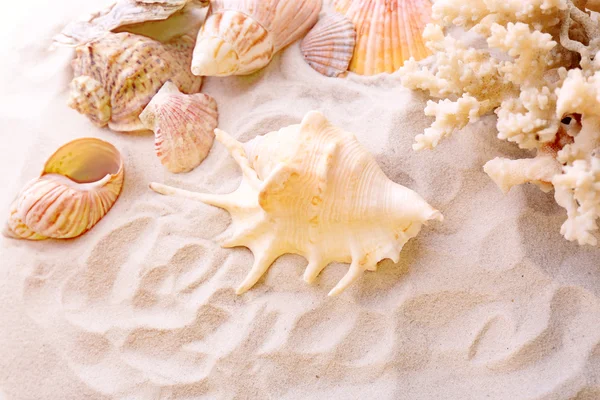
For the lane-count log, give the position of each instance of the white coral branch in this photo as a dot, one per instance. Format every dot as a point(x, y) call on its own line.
point(508, 173)
point(449, 117)
point(578, 191)
point(540, 73)
point(530, 119)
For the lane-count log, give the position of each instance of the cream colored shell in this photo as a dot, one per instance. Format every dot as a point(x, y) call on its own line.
point(119, 14)
point(312, 189)
point(183, 126)
point(79, 184)
point(117, 76)
point(240, 37)
point(389, 32)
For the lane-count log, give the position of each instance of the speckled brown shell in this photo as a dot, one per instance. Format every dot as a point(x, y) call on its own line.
point(131, 69)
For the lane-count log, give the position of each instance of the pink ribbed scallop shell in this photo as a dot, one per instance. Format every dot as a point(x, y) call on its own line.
point(183, 126)
point(329, 45)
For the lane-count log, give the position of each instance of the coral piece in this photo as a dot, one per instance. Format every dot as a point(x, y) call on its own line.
point(117, 76)
point(119, 14)
point(240, 37)
point(183, 126)
point(578, 191)
point(79, 184)
point(540, 73)
point(329, 45)
point(389, 32)
point(312, 189)
point(507, 173)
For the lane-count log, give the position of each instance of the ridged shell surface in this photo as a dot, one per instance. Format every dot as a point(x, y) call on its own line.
point(389, 32)
point(241, 36)
point(312, 189)
point(183, 126)
point(130, 69)
point(286, 20)
point(231, 43)
point(329, 45)
point(79, 184)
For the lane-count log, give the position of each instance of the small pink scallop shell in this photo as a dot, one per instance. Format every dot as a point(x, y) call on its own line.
point(183, 126)
point(329, 45)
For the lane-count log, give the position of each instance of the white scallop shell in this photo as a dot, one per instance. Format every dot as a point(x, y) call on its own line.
point(240, 37)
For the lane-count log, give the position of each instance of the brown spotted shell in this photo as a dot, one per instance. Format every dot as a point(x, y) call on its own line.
point(117, 76)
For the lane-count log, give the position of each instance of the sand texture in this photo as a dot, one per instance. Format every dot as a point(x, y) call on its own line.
point(492, 303)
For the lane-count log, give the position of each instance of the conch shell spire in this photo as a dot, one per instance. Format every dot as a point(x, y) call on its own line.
point(312, 189)
point(88, 97)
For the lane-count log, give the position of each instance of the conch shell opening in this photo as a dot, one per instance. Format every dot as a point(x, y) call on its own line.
point(80, 182)
point(313, 190)
point(124, 15)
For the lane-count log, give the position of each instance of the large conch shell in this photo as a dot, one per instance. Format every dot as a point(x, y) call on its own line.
point(183, 126)
point(241, 36)
point(329, 45)
point(119, 14)
point(312, 189)
point(389, 32)
point(79, 184)
point(117, 76)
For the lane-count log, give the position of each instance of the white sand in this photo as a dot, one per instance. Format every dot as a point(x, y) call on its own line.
point(492, 302)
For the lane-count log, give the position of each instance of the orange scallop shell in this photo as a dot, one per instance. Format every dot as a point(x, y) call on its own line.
point(389, 32)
